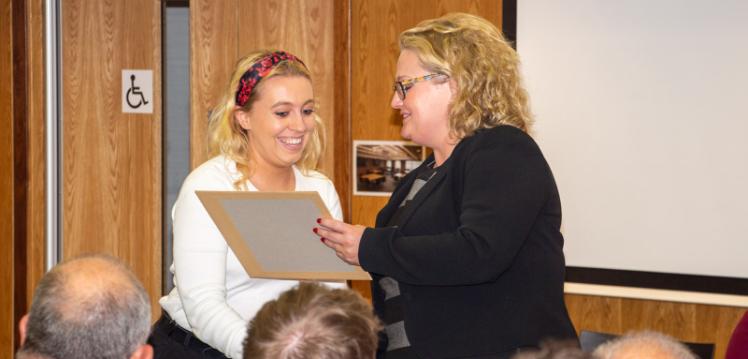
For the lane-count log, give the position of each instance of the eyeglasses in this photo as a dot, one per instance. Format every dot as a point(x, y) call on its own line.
point(402, 87)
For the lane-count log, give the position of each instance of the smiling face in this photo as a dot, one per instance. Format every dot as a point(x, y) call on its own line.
point(425, 109)
point(280, 121)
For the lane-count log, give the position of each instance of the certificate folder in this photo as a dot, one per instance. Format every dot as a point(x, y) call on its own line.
point(271, 234)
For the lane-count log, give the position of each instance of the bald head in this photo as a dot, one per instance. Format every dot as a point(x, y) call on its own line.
point(88, 307)
point(644, 344)
point(90, 282)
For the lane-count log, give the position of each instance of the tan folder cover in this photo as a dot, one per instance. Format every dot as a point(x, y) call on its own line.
point(271, 234)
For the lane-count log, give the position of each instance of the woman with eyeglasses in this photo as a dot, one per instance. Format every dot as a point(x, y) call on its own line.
point(466, 258)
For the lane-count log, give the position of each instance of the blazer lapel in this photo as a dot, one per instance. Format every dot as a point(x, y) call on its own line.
point(403, 189)
point(430, 186)
point(422, 194)
point(396, 198)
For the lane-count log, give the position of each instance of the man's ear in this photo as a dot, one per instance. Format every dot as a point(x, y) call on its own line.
point(242, 118)
point(144, 351)
point(22, 327)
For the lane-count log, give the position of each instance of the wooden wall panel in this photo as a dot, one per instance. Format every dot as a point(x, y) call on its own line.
point(375, 27)
point(600, 314)
point(7, 321)
point(687, 322)
point(111, 162)
point(35, 151)
point(341, 128)
point(20, 71)
point(213, 54)
point(20, 163)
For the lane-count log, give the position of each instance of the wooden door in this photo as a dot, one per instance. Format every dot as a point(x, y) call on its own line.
point(111, 161)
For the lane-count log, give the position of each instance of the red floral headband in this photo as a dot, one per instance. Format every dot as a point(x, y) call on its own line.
point(260, 69)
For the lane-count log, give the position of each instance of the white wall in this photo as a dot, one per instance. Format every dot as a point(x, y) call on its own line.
point(642, 112)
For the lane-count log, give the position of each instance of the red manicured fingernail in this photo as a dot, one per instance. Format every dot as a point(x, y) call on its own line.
point(322, 240)
point(314, 229)
point(319, 220)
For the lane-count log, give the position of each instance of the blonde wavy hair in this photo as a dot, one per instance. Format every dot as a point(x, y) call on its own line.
point(227, 137)
point(483, 65)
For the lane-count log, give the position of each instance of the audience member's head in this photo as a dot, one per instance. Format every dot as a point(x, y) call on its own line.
point(313, 322)
point(644, 344)
point(553, 349)
point(88, 307)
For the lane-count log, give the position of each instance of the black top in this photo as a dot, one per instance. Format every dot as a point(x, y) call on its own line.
point(477, 252)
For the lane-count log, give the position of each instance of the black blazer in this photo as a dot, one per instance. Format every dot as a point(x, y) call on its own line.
point(477, 252)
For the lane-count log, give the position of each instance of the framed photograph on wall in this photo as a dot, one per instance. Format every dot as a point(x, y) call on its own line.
point(378, 166)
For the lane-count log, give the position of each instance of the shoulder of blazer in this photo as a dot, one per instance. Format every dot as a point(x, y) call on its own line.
point(502, 136)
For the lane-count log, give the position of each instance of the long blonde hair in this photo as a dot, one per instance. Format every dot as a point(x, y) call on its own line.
point(484, 67)
point(227, 137)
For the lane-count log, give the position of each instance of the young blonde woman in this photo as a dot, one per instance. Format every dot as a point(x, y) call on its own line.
point(466, 257)
point(265, 136)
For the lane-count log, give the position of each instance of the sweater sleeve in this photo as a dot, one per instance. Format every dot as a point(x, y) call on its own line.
point(503, 191)
point(200, 269)
point(332, 201)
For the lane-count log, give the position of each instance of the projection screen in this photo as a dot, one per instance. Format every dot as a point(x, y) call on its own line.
point(641, 109)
